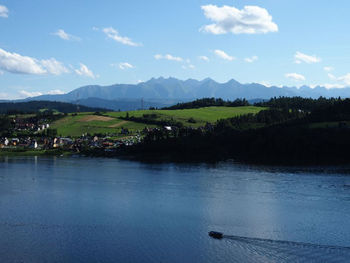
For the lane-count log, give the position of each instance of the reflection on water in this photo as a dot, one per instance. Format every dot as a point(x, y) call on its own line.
point(105, 210)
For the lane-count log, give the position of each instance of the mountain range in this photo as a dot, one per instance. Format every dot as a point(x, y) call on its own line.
point(161, 92)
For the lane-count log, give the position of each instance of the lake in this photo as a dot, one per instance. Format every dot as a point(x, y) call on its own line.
point(108, 210)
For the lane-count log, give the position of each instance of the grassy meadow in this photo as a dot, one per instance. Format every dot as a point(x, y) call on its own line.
point(110, 122)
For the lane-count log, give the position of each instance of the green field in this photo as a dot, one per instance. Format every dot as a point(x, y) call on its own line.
point(111, 124)
point(200, 115)
point(88, 123)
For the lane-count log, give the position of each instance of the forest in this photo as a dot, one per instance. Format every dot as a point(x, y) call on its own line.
point(285, 133)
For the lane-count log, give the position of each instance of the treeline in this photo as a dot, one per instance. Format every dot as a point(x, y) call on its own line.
point(283, 138)
point(268, 145)
point(299, 103)
point(5, 124)
point(207, 102)
point(264, 117)
point(13, 108)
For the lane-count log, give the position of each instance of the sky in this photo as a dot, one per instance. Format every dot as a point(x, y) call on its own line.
point(53, 47)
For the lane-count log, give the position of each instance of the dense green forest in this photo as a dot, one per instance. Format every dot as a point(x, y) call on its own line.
point(282, 134)
point(37, 106)
point(208, 102)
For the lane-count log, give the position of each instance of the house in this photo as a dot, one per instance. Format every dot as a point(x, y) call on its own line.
point(34, 144)
point(14, 141)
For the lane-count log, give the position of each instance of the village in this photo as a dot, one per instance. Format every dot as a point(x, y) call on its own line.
point(34, 134)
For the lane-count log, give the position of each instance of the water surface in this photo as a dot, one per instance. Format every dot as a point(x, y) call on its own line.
point(107, 210)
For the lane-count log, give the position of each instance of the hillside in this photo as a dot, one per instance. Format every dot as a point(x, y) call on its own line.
point(36, 106)
point(112, 122)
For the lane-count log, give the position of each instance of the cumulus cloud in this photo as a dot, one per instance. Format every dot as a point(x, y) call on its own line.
point(251, 59)
point(54, 67)
point(295, 76)
point(223, 55)
point(125, 65)
point(84, 71)
point(65, 36)
point(114, 34)
point(328, 69)
point(204, 58)
point(228, 19)
point(168, 57)
point(301, 57)
point(4, 12)
point(16, 63)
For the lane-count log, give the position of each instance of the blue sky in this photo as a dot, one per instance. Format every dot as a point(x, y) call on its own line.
point(57, 46)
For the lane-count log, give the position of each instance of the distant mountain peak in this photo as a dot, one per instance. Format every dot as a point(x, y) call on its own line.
point(171, 88)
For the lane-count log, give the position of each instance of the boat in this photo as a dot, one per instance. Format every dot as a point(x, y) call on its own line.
point(217, 235)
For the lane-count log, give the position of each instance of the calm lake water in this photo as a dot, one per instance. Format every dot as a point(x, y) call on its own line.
point(107, 210)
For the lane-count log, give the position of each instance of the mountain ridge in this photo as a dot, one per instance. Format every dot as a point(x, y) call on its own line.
point(162, 91)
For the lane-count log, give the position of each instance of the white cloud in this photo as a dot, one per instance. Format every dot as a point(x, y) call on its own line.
point(1, 72)
point(113, 34)
point(15, 63)
point(189, 66)
point(301, 57)
point(4, 12)
point(84, 71)
point(205, 58)
point(223, 55)
point(63, 35)
point(345, 79)
point(53, 66)
point(251, 59)
point(295, 76)
point(4, 96)
point(331, 76)
point(125, 65)
point(168, 57)
point(55, 92)
point(328, 69)
point(265, 83)
point(228, 19)
point(26, 94)
point(333, 86)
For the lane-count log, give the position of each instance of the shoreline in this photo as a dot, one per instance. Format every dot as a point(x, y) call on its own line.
point(161, 158)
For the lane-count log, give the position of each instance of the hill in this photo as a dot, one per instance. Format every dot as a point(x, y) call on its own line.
point(113, 122)
point(37, 106)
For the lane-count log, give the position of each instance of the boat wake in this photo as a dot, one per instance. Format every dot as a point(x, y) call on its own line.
point(267, 250)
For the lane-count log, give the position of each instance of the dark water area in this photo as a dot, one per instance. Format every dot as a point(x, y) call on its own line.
point(108, 210)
